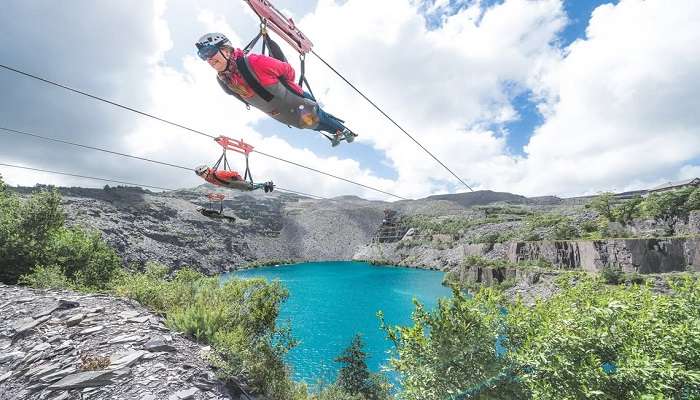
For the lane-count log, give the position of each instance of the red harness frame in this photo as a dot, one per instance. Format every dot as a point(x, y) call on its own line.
point(281, 25)
point(239, 146)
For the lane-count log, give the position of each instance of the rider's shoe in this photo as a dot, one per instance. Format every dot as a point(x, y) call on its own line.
point(337, 137)
point(349, 135)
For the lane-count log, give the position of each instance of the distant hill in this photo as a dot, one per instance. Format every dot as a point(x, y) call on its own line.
point(480, 198)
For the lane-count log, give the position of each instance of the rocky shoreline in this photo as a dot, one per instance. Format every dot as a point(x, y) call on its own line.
point(61, 345)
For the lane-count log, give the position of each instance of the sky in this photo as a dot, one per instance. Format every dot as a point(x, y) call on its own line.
point(535, 97)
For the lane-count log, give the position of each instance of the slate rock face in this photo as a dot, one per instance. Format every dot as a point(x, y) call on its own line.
point(96, 347)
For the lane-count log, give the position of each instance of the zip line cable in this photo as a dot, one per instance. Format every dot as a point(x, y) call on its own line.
point(84, 176)
point(391, 119)
point(189, 129)
point(131, 183)
point(8, 130)
point(14, 131)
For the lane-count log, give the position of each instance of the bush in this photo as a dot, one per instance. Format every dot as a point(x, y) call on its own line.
point(87, 261)
point(26, 228)
point(612, 275)
point(587, 341)
point(49, 277)
point(34, 237)
point(452, 349)
point(355, 378)
point(237, 318)
point(564, 230)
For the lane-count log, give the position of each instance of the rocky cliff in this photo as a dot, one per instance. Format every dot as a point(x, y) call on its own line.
point(62, 345)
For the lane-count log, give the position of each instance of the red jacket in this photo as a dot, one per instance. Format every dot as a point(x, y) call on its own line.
point(267, 69)
point(220, 178)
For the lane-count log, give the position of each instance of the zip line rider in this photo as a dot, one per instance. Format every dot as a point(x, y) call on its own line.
point(268, 84)
point(230, 179)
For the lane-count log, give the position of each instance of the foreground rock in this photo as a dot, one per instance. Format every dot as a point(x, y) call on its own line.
point(63, 345)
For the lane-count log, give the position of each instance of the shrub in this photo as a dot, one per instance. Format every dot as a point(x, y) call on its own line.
point(355, 378)
point(46, 277)
point(452, 349)
point(587, 341)
point(612, 275)
point(564, 230)
point(87, 261)
point(26, 228)
point(603, 204)
point(34, 236)
point(237, 318)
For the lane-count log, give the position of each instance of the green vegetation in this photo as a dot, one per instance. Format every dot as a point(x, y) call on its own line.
point(33, 237)
point(665, 207)
point(589, 341)
point(355, 379)
point(236, 318)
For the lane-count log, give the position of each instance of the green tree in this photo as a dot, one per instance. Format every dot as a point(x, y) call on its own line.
point(627, 211)
point(693, 202)
point(590, 340)
point(354, 377)
point(603, 204)
point(354, 374)
point(26, 228)
point(453, 350)
point(667, 206)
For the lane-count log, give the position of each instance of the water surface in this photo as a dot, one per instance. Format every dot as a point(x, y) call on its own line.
point(331, 301)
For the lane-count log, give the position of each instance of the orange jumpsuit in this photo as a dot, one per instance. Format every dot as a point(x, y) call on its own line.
point(228, 179)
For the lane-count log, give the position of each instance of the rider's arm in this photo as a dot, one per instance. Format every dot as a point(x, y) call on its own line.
point(269, 70)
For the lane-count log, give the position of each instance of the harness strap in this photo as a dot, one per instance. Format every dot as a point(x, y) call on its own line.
point(252, 43)
point(247, 176)
point(252, 81)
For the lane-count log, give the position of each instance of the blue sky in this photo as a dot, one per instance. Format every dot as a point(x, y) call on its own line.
point(607, 110)
point(519, 130)
point(579, 13)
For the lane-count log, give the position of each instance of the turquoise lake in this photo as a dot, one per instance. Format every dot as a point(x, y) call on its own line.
point(331, 301)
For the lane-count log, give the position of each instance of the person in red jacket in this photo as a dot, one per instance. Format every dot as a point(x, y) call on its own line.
point(231, 180)
point(268, 84)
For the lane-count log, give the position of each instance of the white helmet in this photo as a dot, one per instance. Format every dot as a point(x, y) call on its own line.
point(212, 39)
point(201, 170)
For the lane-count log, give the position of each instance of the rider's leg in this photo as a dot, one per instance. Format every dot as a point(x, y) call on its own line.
point(326, 121)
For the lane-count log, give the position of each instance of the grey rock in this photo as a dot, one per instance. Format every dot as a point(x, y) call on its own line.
point(125, 339)
point(40, 347)
point(5, 376)
point(157, 344)
point(129, 314)
point(27, 325)
point(91, 330)
point(24, 300)
point(7, 357)
point(184, 394)
point(5, 343)
point(139, 320)
point(58, 375)
point(38, 372)
point(74, 320)
point(60, 305)
point(84, 380)
point(125, 360)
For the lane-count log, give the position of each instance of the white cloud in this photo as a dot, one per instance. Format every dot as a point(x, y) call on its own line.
point(623, 102)
point(620, 106)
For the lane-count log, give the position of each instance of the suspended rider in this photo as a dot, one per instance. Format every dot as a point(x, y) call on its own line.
point(231, 179)
point(267, 84)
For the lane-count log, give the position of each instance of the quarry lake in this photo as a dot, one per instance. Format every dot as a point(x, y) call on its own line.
point(331, 301)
